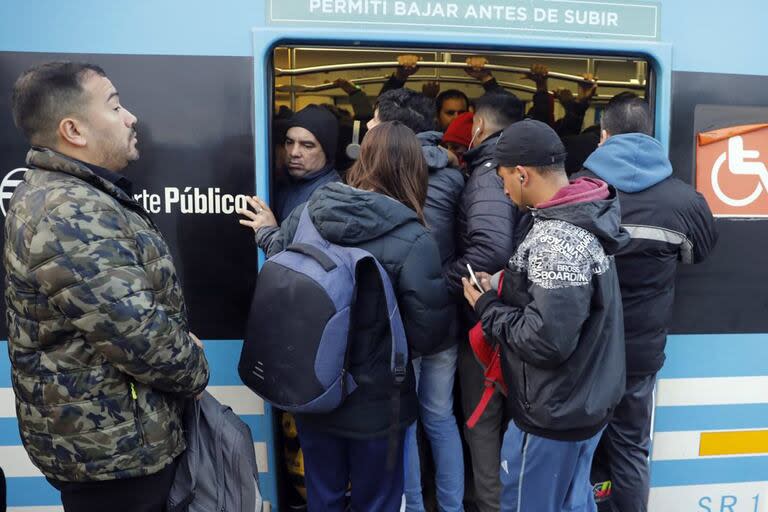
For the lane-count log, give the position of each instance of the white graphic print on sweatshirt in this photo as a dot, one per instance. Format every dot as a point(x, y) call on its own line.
point(557, 254)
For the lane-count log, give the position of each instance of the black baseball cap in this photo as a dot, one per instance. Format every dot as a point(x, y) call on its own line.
point(531, 143)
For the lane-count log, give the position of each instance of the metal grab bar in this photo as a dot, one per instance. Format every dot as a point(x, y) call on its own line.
point(299, 88)
point(331, 68)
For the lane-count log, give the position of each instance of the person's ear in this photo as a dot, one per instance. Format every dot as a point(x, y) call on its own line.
point(603, 137)
point(71, 132)
point(480, 127)
point(522, 174)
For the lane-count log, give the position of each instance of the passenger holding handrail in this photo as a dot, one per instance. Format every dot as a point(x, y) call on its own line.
point(542, 109)
point(449, 103)
point(575, 108)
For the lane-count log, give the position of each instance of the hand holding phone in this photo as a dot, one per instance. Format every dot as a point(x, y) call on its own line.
point(473, 278)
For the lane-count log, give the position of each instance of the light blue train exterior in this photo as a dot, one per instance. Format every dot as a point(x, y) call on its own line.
point(695, 37)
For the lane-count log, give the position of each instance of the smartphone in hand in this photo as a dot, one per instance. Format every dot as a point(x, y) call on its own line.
point(473, 278)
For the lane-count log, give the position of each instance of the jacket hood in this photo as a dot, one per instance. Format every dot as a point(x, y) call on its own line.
point(483, 153)
point(347, 216)
point(631, 162)
point(601, 217)
point(434, 155)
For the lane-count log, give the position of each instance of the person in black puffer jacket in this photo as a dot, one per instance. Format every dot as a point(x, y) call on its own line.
point(488, 229)
point(435, 370)
point(381, 212)
point(670, 223)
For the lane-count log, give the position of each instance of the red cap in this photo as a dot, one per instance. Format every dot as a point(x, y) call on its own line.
point(460, 130)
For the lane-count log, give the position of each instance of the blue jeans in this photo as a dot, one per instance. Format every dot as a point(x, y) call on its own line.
point(435, 375)
point(544, 475)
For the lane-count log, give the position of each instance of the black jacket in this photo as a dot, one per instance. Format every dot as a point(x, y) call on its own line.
point(392, 233)
point(486, 225)
point(669, 222)
point(440, 211)
point(559, 321)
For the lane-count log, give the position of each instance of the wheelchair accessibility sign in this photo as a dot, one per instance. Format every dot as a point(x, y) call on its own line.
point(732, 170)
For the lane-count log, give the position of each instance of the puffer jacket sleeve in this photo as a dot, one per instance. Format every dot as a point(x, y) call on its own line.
point(422, 296)
point(489, 240)
point(392, 83)
point(701, 232)
point(361, 105)
point(272, 240)
point(543, 108)
point(87, 262)
point(546, 332)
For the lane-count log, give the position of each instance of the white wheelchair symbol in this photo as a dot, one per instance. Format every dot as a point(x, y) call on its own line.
point(741, 162)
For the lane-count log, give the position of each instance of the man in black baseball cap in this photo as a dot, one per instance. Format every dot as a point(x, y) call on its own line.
point(530, 146)
point(558, 322)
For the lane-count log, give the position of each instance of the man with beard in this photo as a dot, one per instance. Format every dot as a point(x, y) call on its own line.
point(101, 354)
point(310, 146)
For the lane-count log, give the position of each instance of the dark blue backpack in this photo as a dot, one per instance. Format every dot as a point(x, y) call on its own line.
point(296, 350)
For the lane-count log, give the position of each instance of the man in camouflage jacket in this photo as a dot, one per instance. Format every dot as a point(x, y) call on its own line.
point(102, 357)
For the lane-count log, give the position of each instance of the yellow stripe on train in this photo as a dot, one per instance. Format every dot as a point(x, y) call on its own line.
point(744, 442)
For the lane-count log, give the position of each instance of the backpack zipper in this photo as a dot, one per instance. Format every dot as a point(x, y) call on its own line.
point(136, 414)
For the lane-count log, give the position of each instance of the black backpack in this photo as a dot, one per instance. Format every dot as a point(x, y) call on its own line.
point(218, 470)
point(295, 354)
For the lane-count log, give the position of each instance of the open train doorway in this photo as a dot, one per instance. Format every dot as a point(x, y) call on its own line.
point(348, 79)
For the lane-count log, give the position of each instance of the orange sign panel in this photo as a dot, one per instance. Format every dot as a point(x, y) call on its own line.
point(732, 170)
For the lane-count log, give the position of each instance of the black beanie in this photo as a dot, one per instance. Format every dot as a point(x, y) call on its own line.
point(322, 124)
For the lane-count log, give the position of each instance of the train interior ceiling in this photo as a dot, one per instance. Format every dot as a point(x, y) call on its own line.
point(305, 75)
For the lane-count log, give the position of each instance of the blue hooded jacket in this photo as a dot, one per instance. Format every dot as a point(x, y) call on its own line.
point(631, 162)
point(669, 222)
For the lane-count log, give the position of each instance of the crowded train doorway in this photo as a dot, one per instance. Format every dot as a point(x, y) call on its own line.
point(348, 80)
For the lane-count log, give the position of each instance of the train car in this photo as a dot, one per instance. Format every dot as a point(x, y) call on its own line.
point(206, 79)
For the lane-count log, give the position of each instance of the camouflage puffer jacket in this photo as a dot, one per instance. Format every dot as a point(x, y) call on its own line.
point(100, 349)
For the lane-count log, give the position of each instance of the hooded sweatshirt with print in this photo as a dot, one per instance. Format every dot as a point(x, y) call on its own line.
point(559, 319)
point(668, 222)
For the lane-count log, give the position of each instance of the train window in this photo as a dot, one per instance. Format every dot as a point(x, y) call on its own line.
point(326, 75)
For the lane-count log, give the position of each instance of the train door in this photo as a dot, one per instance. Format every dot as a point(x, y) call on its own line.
point(295, 66)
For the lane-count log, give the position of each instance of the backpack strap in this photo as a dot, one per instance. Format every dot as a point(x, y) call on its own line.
point(493, 378)
point(182, 492)
point(399, 356)
point(397, 363)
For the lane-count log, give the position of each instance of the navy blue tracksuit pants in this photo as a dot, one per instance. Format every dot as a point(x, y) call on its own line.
point(331, 463)
point(544, 475)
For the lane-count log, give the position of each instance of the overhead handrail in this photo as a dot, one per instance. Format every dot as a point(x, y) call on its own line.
point(309, 89)
point(335, 68)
